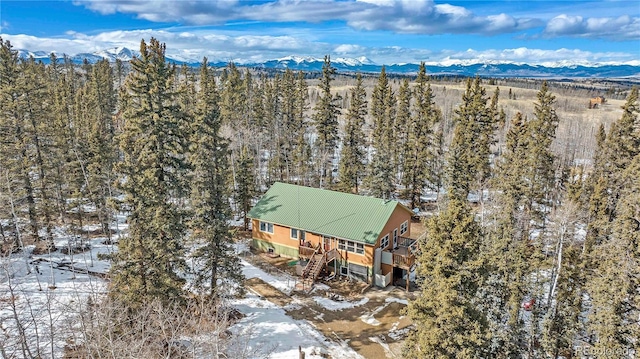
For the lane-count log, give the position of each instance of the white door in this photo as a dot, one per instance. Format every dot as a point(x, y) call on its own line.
point(395, 238)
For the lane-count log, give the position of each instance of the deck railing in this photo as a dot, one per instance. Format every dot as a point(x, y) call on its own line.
point(306, 252)
point(403, 261)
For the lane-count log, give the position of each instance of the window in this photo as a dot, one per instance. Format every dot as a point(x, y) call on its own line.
point(395, 237)
point(266, 227)
point(351, 246)
point(342, 244)
point(303, 235)
point(344, 270)
point(404, 227)
point(294, 233)
point(384, 242)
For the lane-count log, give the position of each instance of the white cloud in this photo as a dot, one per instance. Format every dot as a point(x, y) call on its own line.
point(180, 45)
point(623, 27)
point(402, 16)
point(194, 45)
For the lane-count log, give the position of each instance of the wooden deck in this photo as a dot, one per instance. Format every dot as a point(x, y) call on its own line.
point(404, 254)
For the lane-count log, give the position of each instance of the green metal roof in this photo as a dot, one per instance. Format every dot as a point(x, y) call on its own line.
point(336, 214)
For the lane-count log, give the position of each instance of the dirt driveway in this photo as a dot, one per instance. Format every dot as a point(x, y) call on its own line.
point(375, 329)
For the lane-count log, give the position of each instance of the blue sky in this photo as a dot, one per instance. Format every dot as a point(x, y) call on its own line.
point(384, 31)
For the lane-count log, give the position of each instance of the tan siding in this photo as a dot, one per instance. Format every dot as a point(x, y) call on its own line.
point(281, 235)
point(398, 216)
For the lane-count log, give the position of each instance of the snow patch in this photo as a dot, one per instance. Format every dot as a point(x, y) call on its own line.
point(333, 305)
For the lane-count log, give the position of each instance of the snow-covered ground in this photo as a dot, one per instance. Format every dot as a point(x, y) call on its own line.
point(271, 331)
point(40, 296)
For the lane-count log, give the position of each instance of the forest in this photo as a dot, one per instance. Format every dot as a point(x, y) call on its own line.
point(528, 197)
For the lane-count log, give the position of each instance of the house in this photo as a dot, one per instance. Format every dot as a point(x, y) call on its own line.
point(361, 237)
point(594, 102)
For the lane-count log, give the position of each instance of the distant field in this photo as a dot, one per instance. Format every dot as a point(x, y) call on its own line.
point(577, 127)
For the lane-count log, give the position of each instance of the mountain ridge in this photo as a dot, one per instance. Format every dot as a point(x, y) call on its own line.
point(473, 67)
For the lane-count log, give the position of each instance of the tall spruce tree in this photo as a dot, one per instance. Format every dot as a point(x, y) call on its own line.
point(401, 128)
point(421, 146)
point(150, 259)
point(468, 160)
point(506, 250)
point(246, 186)
point(301, 147)
point(449, 323)
point(613, 235)
point(353, 155)
point(381, 179)
point(36, 84)
point(93, 138)
point(275, 132)
point(325, 118)
point(209, 159)
point(542, 131)
point(15, 142)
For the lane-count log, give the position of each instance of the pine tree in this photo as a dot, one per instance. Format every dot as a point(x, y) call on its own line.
point(448, 321)
point(468, 160)
point(233, 102)
point(422, 143)
point(353, 153)
point(401, 127)
point(506, 250)
point(209, 159)
point(381, 170)
point(273, 123)
point(36, 84)
point(151, 257)
point(301, 147)
point(246, 185)
point(100, 153)
point(562, 321)
point(542, 129)
point(293, 147)
point(15, 142)
point(325, 118)
point(613, 235)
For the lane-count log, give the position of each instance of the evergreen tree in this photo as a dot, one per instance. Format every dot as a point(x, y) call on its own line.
point(301, 147)
point(381, 170)
point(421, 146)
point(562, 320)
point(150, 258)
point(325, 118)
point(15, 142)
point(468, 160)
point(233, 101)
point(448, 321)
point(506, 250)
point(210, 194)
point(245, 190)
point(613, 235)
point(402, 127)
point(542, 129)
point(38, 115)
point(353, 153)
point(101, 154)
point(274, 126)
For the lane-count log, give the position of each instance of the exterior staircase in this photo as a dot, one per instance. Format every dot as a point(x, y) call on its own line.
point(314, 267)
point(312, 270)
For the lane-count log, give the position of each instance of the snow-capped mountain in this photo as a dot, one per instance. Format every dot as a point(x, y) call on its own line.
point(467, 67)
point(38, 55)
